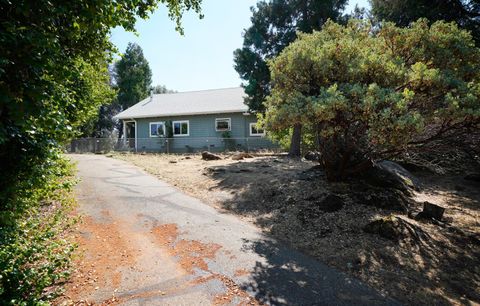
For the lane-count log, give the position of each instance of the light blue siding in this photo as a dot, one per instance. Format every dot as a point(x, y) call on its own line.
point(202, 134)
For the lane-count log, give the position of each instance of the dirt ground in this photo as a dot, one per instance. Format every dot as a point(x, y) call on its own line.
point(436, 264)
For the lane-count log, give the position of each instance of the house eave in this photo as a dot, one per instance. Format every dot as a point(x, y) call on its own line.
point(120, 117)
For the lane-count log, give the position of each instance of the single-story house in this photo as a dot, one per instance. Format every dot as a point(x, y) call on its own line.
point(215, 120)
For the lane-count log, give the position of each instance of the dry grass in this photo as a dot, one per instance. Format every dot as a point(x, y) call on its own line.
point(435, 265)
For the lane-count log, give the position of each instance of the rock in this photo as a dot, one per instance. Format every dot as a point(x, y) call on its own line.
point(172, 161)
point(391, 227)
point(210, 156)
point(312, 156)
point(187, 157)
point(214, 170)
point(392, 199)
point(330, 203)
point(241, 155)
point(414, 167)
point(388, 174)
point(311, 210)
point(431, 211)
point(474, 177)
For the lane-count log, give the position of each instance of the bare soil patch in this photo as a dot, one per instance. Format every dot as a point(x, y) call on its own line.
point(435, 263)
point(103, 249)
point(192, 255)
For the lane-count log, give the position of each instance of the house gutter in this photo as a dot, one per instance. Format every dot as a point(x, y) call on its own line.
point(120, 117)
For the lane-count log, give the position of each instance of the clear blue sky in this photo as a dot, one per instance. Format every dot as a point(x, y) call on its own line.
point(203, 57)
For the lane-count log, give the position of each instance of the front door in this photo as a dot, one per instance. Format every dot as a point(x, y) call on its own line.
point(130, 133)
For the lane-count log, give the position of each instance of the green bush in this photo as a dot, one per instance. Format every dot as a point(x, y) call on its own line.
point(371, 94)
point(229, 142)
point(34, 250)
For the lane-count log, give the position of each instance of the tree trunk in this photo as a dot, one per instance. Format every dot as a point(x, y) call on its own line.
point(296, 141)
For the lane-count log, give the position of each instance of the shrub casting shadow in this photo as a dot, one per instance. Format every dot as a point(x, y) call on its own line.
point(268, 196)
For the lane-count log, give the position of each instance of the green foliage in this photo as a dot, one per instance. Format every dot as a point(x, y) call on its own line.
point(162, 89)
point(34, 250)
point(230, 143)
point(53, 58)
point(53, 78)
point(274, 26)
point(403, 12)
point(169, 129)
point(369, 96)
point(133, 76)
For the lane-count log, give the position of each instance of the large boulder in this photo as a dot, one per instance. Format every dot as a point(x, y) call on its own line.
point(241, 155)
point(210, 156)
point(388, 174)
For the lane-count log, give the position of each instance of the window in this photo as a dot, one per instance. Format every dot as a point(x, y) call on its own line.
point(254, 131)
point(157, 129)
point(181, 128)
point(222, 124)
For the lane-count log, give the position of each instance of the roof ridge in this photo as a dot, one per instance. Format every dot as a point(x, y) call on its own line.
point(200, 90)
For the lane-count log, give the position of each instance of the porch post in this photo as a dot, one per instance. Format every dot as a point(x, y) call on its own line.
point(136, 150)
point(124, 133)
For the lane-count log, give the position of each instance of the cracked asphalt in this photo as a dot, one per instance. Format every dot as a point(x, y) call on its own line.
point(145, 242)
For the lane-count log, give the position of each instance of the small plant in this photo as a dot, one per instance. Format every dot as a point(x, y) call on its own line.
point(230, 144)
point(168, 135)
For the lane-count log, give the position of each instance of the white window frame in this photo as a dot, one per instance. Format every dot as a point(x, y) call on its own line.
point(181, 121)
point(252, 124)
point(157, 122)
point(229, 120)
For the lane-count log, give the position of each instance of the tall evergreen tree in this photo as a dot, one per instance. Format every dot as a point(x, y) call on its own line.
point(133, 76)
point(274, 26)
point(403, 12)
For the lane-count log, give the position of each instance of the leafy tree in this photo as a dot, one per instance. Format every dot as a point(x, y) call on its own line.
point(372, 96)
point(53, 77)
point(103, 124)
point(133, 76)
point(403, 12)
point(162, 89)
point(47, 50)
point(274, 26)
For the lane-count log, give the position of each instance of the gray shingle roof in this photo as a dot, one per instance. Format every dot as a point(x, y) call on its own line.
point(228, 100)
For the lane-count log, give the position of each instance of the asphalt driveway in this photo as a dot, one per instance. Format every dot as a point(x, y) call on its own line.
point(147, 243)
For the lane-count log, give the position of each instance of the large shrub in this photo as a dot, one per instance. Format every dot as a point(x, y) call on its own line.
point(34, 250)
point(53, 76)
point(374, 93)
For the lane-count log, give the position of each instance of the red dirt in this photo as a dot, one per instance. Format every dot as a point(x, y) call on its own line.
point(192, 254)
point(233, 290)
point(241, 272)
point(105, 250)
